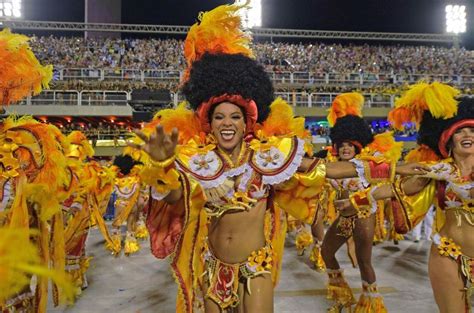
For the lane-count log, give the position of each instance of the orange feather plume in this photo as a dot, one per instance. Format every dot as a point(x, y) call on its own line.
point(422, 154)
point(218, 31)
point(281, 121)
point(384, 144)
point(21, 74)
point(349, 103)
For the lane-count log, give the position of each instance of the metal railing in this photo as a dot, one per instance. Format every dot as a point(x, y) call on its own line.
point(75, 97)
point(119, 98)
point(318, 99)
point(280, 77)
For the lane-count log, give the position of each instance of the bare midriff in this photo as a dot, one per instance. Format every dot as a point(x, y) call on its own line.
point(234, 235)
point(463, 235)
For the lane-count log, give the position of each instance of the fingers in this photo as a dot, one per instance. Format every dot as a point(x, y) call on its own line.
point(174, 136)
point(160, 134)
point(141, 135)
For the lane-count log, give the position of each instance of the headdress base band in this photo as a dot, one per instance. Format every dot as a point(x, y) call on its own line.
point(249, 106)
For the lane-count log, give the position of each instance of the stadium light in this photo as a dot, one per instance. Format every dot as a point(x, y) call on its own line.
point(251, 17)
point(455, 18)
point(10, 8)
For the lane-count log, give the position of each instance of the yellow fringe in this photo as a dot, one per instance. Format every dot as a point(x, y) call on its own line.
point(369, 304)
point(115, 244)
point(131, 245)
point(141, 232)
point(317, 258)
point(341, 294)
point(303, 240)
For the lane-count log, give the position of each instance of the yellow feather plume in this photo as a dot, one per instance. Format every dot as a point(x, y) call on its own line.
point(80, 146)
point(21, 74)
point(19, 259)
point(350, 103)
point(438, 98)
point(281, 121)
point(218, 31)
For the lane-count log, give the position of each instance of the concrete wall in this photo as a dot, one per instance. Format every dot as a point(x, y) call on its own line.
point(69, 110)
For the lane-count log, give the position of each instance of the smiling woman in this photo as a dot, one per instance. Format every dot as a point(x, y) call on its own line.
point(446, 136)
point(228, 126)
point(224, 175)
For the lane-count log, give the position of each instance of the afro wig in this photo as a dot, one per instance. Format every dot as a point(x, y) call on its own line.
point(351, 128)
point(232, 74)
point(125, 163)
point(432, 128)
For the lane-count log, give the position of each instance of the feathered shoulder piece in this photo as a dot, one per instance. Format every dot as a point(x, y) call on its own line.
point(383, 147)
point(437, 98)
point(422, 154)
point(281, 122)
point(182, 118)
point(350, 103)
point(217, 31)
point(21, 74)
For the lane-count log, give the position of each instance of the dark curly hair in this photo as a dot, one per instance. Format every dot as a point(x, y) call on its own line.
point(431, 128)
point(125, 163)
point(233, 74)
point(351, 128)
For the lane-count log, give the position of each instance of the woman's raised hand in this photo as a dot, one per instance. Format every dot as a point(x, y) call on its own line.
point(159, 146)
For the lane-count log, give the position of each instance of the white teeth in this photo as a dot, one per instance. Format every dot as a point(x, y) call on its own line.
point(227, 134)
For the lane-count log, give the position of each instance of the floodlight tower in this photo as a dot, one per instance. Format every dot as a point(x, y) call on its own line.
point(11, 9)
point(456, 20)
point(251, 17)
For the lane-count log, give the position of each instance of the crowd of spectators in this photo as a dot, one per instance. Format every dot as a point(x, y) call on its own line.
point(112, 85)
point(319, 58)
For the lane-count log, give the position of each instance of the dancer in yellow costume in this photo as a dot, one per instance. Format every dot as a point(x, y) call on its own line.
point(352, 140)
point(222, 174)
point(128, 189)
point(446, 138)
point(32, 171)
point(327, 213)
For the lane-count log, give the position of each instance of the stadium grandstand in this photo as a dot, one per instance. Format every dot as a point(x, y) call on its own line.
point(371, 151)
point(119, 74)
